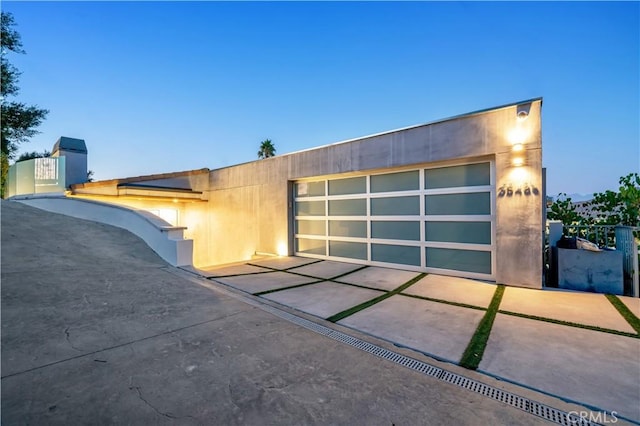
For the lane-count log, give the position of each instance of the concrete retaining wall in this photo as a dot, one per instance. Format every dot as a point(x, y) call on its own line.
point(583, 270)
point(166, 240)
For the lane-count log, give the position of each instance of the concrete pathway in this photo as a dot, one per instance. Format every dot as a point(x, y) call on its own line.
point(97, 329)
point(576, 346)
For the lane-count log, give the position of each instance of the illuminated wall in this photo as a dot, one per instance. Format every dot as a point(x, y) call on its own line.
point(250, 205)
point(248, 209)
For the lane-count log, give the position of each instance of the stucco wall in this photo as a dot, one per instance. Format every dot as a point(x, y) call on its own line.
point(249, 204)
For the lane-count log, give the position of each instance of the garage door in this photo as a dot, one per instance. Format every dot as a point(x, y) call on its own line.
point(433, 219)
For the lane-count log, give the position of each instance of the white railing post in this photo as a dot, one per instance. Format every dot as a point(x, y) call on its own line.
point(626, 243)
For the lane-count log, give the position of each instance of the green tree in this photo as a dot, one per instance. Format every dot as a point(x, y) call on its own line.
point(267, 149)
point(564, 210)
point(18, 121)
point(33, 154)
point(619, 208)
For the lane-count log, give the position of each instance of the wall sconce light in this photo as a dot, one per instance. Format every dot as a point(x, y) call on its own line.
point(518, 147)
point(517, 136)
point(522, 115)
point(518, 161)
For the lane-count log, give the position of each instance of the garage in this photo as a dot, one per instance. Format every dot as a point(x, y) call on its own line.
point(438, 219)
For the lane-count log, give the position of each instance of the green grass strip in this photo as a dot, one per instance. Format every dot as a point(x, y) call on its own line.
point(307, 275)
point(213, 277)
point(446, 302)
point(260, 293)
point(285, 269)
point(349, 272)
point(570, 324)
point(626, 313)
point(341, 315)
point(475, 350)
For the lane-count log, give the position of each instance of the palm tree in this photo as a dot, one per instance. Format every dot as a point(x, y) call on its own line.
point(266, 149)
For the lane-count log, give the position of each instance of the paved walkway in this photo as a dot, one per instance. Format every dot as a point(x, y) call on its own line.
point(577, 346)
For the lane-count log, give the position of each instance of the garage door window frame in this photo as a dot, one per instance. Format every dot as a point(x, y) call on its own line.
point(421, 193)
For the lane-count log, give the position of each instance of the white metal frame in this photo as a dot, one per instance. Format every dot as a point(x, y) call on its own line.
point(422, 218)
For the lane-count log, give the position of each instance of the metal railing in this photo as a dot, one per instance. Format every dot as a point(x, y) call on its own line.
point(601, 235)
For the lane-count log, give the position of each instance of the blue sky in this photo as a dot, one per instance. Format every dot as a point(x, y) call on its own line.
point(156, 87)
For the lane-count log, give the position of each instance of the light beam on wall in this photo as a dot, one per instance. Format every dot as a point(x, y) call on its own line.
point(517, 136)
point(283, 249)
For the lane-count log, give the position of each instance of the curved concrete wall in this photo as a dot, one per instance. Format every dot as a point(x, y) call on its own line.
point(166, 240)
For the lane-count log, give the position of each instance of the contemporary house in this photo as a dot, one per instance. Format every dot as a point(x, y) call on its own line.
point(461, 196)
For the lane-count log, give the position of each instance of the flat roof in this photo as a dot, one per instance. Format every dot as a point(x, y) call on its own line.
point(121, 181)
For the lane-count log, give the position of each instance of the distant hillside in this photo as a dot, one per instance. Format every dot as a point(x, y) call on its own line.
point(577, 197)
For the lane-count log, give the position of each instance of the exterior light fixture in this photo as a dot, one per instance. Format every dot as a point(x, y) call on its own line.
point(518, 161)
point(518, 147)
point(522, 115)
point(282, 249)
point(517, 136)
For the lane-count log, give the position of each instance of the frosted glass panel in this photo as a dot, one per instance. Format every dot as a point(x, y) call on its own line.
point(396, 230)
point(395, 206)
point(348, 228)
point(459, 260)
point(449, 177)
point(348, 207)
point(357, 185)
point(348, 249)
point(311, 246)
point(463, 204)
point(309, 208)
point(25, 177)
point(403, 181)
point(459, 232)
point(311, 227)
point(310, 189)
point(395, 254)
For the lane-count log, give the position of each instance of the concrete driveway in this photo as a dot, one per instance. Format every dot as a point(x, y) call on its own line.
point(576, 346)
point(96, 329)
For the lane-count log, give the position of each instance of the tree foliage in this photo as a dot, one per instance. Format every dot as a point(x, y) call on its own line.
point(19, 121)
point(267, 149)
point(620, 207)
point(33, 154)
point(564, 210)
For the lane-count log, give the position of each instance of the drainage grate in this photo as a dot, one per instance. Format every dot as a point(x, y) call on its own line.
point(521, 403)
